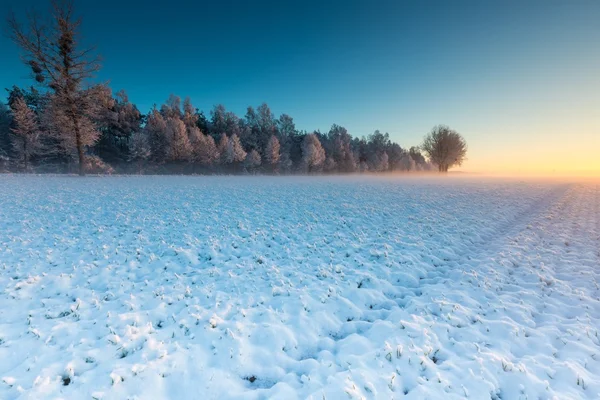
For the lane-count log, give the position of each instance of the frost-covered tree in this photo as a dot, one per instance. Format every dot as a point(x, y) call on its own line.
point(313, 154)
point(395, 154)
point(253, 160)
point(25, 131)
point(156, 132)
point(5, 122)
point(444, 147)
point(172, 108)
point(190, 115)
point(272, 154)
point(205, 150)
point(379, 162)
point(139, 149)
point(406, 163)
point(340, 149)
point(179, 147)
point(416, 155)
point(234, 152)
point(54, 54)
point(330, 165)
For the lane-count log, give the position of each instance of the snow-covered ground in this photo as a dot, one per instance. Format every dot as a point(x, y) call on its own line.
point(322, 288)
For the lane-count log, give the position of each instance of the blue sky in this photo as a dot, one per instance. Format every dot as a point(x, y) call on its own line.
point(509, 75)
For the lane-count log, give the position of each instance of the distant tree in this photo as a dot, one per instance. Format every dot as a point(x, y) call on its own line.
point(444, 147)
point(205, 150)
point(313, 154)
point(218, 121)
point(416, 155)
point(190, 114)
point(340, 148)
point(33, 98)
point(272, 153)
point(380, 162)
point(222, 148)
point(252, 161)
point(179, 147)
point(289, 141)
point(395, 154)
point(406, 162)
point(156, 132)
point(26, 132)
point(172, 108)
point(223, 121)
point(259, 126)
point(330, 166)
point(5, 123)
point(56, 60)
point(139, 149)
point(376, 151)
point(267, 127)
point(234, 152)
point(118, 121)
point(203, 122)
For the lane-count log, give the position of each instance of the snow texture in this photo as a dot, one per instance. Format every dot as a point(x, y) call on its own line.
point(293, 288)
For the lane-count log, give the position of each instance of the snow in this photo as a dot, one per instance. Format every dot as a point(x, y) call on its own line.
point(293, 288)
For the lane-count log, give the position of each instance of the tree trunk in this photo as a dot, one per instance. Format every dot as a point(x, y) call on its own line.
point(78, 142)
point(80, 152)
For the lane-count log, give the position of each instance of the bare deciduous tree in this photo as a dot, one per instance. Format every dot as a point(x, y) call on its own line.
point(53, 53)
point(444, 147)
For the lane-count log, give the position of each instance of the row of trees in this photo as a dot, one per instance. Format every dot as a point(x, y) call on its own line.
point(68, 124)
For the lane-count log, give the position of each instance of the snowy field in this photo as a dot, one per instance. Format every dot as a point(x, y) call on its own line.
point(294, 288)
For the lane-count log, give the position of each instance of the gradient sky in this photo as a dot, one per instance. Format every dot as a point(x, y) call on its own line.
point(519, 79)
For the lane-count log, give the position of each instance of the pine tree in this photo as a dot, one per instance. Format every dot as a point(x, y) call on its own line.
point(289, 141)
point(119, 120)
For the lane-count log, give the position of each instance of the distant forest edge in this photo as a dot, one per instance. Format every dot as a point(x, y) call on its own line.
point(66, 124)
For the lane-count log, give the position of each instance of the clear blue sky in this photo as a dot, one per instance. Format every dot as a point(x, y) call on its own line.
point(503, 73)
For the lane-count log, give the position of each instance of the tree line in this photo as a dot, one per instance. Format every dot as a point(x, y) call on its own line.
point(66, 124)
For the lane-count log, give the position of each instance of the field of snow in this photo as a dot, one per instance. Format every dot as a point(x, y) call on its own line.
point(294, 288)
